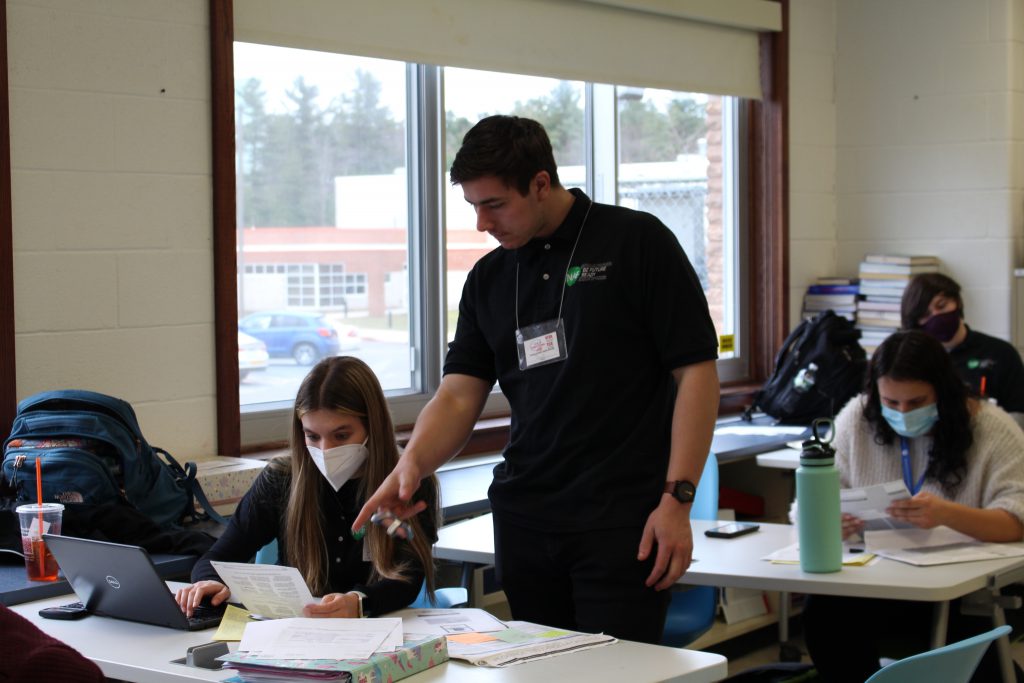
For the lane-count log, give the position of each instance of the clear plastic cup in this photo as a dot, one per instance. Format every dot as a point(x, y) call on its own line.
point(37, 520)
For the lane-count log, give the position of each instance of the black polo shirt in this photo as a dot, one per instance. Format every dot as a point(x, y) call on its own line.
point(590, 435)
point(980, 355)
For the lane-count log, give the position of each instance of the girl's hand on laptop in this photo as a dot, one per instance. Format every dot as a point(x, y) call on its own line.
point(343, 605)
point(189, 597)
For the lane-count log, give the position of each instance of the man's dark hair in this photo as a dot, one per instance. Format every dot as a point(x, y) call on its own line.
point(920, 292)
point(912, 355)
point(511, 148)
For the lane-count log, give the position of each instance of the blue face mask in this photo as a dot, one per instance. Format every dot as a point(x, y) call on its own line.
point(913, 422)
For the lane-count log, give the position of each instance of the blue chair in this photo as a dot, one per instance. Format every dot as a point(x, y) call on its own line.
point(267, 554)
point(692, 611)
point(953, 663)
point(454, 596)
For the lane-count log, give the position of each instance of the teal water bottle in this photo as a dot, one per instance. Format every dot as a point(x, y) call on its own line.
point(817, 497)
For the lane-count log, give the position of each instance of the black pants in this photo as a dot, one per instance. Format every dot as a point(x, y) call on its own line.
point(846, 636)
point(588, 581)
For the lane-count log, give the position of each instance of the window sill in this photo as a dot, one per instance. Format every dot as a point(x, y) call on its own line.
point(491, 434)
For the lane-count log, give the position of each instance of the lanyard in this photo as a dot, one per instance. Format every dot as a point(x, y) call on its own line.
point(908, 477)
point(567, 266)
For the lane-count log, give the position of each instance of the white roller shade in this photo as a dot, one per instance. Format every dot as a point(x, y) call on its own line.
point(687, 45)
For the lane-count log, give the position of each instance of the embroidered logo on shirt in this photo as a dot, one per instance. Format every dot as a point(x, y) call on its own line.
point(588, 272)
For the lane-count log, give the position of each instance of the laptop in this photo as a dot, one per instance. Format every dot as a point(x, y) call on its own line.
point(120, 581)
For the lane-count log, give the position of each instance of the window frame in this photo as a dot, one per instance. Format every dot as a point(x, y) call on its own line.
point(765, 205)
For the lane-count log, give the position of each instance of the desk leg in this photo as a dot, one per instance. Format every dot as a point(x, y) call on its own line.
point(940, 622)
point(788, 652)
point(783, 617)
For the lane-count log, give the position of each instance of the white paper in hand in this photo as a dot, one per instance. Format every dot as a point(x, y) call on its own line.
point(267, 590)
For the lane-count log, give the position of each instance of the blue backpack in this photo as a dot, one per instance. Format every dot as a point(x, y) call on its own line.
point(92, 452)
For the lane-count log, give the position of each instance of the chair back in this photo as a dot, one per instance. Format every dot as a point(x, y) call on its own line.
point(267, 554)
point(691, 611)
point(705, 501)
point(453, 596)
point(953, 663)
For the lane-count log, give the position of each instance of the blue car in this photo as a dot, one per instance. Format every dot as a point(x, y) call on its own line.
point(306, 337)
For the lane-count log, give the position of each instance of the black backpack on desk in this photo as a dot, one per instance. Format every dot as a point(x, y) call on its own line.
point(819, 368)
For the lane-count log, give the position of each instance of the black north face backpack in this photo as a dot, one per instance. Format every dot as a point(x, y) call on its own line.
point(819, 368)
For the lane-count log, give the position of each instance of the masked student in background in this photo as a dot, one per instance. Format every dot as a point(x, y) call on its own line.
point(991, 367)
point(342, 447)
point(960, 459)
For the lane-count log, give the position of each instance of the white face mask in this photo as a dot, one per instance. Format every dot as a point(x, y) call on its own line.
point(338, 464)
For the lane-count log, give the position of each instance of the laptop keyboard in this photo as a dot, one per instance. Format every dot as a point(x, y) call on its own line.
point(205, 616)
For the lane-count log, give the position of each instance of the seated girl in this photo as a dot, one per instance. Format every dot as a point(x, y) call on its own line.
point(342, 447)
point(963, 462)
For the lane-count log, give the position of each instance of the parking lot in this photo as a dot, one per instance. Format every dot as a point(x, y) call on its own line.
point(280, 381)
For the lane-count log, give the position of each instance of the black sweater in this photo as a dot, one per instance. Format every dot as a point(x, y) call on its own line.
point(259, 519)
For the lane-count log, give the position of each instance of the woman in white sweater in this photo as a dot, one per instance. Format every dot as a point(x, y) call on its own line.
point(963, 461)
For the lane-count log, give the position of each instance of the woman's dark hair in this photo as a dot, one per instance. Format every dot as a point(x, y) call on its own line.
point(511, 148)
point(920, 292)
point(912, 355)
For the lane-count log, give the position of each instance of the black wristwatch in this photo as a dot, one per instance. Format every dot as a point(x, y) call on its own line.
point(683, 491)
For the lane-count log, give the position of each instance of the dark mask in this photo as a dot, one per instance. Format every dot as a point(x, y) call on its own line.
point(943, 326)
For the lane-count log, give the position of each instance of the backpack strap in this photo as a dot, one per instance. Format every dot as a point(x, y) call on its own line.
point(187, 476)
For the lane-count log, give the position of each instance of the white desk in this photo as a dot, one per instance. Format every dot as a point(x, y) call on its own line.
point(737, 563)
point(139, 652)
point(784, 458)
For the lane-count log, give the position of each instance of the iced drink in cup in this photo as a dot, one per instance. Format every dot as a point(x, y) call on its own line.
point(37, 520)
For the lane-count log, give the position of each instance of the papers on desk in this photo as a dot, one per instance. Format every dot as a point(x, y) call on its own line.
point(304, 638)
point(476, 636)
point(520, 642)
point(267, 590)
point(853, 556)
point(869, 503)
point(941, 545)
point(274, 648)
point(432, 622)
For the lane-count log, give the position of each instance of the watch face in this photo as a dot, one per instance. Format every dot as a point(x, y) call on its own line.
point(684, 491)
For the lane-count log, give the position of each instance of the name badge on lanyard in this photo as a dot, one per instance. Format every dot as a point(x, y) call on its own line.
point(544, 343)
point(541, 344)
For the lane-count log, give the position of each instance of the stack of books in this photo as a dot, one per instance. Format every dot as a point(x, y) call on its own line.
point(839, 294)
point(883, 277)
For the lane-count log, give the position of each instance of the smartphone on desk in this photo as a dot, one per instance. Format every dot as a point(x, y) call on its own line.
point(732, 530)
point(75, 610)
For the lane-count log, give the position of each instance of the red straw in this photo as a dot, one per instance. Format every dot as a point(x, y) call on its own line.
point(39, 501)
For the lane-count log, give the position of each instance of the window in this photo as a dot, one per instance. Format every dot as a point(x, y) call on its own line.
point(344, 206)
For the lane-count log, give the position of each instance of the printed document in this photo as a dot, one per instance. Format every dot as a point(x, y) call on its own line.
point(268, 591)
point(941, 545)
point(305, 638)
point(869, 503)
point(433, 622)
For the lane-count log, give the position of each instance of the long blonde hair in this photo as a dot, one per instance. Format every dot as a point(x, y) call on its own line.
point(347, 385)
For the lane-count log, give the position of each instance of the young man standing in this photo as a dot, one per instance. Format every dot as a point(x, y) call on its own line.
point(593, 323)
